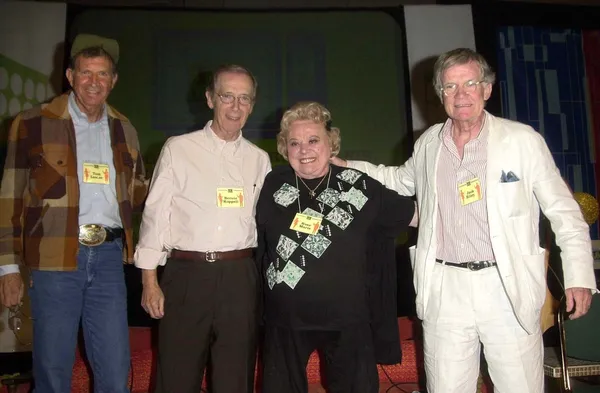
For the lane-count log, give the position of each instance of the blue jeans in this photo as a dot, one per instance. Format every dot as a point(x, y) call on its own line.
point(94, 294)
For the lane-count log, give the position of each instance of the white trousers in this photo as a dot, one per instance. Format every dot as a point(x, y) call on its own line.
point(468, 309)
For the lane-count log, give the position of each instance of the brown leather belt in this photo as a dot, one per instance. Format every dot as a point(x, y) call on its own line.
point(212, 256)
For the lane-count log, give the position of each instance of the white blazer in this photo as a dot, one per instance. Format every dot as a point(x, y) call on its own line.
point(513, 214)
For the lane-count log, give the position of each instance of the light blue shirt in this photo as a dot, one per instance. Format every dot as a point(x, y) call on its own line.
point(97, 202)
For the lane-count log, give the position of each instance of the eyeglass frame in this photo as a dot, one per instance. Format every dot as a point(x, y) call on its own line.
point(15, 316)
point(467, 85)
point(234, 98)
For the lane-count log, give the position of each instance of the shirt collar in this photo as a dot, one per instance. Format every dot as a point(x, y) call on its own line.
point(481, 138)
point(219, 143)
point(81, 118)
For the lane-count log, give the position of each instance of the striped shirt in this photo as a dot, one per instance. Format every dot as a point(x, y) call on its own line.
point(463, 233)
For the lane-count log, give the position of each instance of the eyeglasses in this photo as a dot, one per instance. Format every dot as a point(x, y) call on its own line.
point(451, 89)
point(242, 100)
point(21, 325)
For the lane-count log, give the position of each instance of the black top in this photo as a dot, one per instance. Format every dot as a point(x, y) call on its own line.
point(320, 281)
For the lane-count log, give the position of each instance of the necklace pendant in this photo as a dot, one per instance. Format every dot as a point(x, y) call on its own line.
point(311, 193)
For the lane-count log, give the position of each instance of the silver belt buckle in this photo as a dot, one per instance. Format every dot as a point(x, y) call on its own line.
point(92, 234)
point(211, 256)
point(477, 265)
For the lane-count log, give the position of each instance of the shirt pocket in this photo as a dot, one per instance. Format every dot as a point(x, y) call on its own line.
point(47, 174)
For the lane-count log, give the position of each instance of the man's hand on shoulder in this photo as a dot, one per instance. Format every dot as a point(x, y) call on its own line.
point(11, 289)
point(579, 300)
point(335, 160)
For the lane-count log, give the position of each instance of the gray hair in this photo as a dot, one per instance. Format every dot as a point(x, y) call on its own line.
point(230, 68)
point(460, 56)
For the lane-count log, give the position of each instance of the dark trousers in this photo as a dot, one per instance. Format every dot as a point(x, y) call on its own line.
point(210, 319)
point(349, 361)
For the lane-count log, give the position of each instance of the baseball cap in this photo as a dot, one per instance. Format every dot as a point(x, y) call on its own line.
point(84, 41)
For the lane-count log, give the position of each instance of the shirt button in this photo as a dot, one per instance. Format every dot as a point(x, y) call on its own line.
point(219, 228)
point(462, 245)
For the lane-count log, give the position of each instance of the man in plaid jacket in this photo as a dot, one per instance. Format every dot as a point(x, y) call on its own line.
point(72, 178)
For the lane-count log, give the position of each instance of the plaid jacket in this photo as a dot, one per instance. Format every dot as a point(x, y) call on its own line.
point(39, 195)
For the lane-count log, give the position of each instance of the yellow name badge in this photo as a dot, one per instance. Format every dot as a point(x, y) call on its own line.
point(230, 197)
point(470, 191)
point(306, 224)
point(96, 173)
